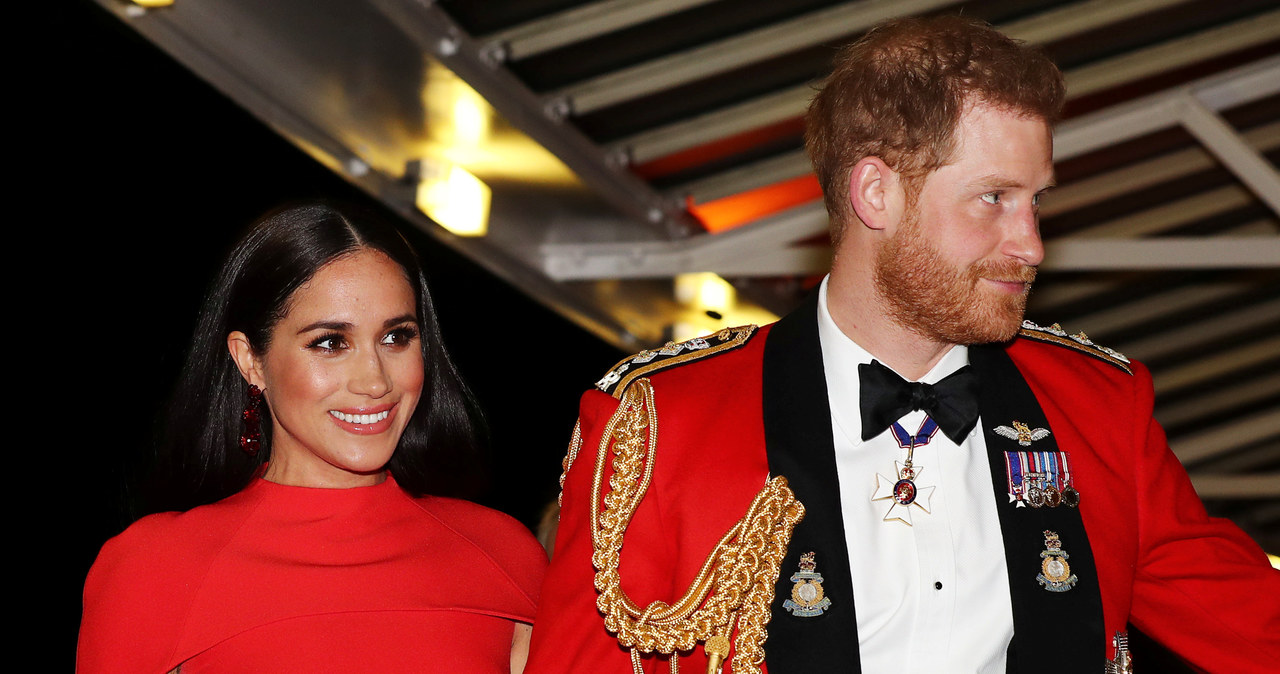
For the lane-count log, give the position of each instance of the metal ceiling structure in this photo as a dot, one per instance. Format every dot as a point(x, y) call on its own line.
point(680, 124)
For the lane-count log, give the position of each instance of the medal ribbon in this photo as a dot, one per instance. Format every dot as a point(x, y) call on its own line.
point(928, 428)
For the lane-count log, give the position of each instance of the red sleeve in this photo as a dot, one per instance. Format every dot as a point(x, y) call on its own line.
point(1201, 586)
point(134, 603)
point(569, 633)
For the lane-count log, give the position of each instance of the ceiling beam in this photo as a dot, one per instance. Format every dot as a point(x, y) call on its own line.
point(578, 24)
point(1161, 110)
point(1071, 138)
point(1235, 152)
point(647, 259)
point(1168, 215)
point(1235, 320)
point(1217, 364)
point(1117, 317)
point(1255, 486)
point(1111, 184)
point(1166, 56)
point(1218, 252)
point(436, 34)
point(791, 103)
point(1226, 438)
point(1214, 403)
point(734, 52)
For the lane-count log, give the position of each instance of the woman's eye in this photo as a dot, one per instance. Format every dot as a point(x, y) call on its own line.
point(400, 336)
point(329, 343)
point(1035, 200)
point(991, 197)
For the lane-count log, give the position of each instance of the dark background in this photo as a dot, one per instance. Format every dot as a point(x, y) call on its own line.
point(144, 177)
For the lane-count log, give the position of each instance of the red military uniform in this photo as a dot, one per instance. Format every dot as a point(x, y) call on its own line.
point(732, 411)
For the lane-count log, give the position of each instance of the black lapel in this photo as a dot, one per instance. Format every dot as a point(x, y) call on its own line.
point(1053, 631)
point(797, 430)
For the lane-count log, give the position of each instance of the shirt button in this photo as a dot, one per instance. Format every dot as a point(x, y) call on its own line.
point(937, 585)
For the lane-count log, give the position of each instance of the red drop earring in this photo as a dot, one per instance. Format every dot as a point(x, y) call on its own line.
point(251, 435)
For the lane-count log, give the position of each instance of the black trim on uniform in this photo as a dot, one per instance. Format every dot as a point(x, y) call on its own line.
point(797, 430)
point(1053, 631)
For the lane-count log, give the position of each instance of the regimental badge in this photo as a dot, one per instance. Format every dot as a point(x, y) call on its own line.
point(1123, 664)
point(1055, 573)
point(903, 492)
point(1023, 433)
point(1040, 479)
point(807, 598)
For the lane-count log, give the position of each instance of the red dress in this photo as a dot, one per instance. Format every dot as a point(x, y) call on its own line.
point(293, 579)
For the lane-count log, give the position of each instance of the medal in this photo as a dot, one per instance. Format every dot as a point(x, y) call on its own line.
point(807, 597)
point(903, 491)
point(1055, 573)
point(1040, 479)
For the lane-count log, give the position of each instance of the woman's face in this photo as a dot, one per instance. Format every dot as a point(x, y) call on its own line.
point(342, 375)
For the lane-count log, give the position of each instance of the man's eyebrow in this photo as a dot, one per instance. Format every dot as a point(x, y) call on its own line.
point(1003, 182)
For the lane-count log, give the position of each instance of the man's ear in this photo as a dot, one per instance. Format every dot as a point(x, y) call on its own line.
point(246, 360)
point(875, 190)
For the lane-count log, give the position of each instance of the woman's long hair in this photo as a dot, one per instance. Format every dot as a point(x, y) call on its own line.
point(200, 460)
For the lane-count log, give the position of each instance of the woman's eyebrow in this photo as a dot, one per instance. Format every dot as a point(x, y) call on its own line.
point(336, 326)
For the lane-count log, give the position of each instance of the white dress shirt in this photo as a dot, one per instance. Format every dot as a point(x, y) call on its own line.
point(933, 596)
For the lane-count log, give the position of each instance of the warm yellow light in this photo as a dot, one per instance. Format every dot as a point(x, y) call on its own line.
point(704, 291)
point(711, 304)
point(457, 116)
point(153, 3)
point(1275, 561)
point(454, 198)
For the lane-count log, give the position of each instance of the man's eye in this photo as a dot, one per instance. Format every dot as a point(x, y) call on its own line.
point(991, 197)
point(1035, 200)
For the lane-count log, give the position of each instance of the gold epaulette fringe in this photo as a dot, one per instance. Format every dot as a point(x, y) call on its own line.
point(735, 585)
point(647, 362)
point(1054, 334)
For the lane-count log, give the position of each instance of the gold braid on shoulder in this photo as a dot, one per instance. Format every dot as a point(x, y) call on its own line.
point(735, 583)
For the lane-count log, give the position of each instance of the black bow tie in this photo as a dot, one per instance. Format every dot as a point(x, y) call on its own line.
point(885, 398)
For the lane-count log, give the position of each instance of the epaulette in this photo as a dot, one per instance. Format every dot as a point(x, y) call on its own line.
point(1054, 334)
point(670, 355)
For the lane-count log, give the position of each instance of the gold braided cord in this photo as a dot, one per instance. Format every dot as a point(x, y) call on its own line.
point(575, 444)
point(734, 584)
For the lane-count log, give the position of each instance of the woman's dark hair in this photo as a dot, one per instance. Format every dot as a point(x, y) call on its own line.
point(200, 458)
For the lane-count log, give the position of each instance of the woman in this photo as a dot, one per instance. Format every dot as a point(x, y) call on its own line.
point(315, 409)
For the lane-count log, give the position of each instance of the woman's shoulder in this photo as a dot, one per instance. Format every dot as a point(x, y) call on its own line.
point(142, 583)
point(496, 535)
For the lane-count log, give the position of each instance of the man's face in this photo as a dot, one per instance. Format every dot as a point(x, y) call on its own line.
point(961, 261)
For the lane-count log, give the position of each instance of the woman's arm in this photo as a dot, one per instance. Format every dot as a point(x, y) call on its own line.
point(520, 647)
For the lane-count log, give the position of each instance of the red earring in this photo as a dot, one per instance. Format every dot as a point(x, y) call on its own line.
point(251, 436)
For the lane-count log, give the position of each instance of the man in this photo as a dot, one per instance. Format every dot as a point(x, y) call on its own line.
point(978, 495)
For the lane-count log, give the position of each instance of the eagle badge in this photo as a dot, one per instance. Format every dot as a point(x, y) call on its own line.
point(1023, 433)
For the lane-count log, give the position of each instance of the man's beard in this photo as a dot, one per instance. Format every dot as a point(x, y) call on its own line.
point(927, 295)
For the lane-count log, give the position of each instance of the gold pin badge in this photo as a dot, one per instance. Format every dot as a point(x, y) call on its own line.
point(807, 597)
point(1055, 572)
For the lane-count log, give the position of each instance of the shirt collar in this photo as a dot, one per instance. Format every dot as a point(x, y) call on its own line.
point(841, 357)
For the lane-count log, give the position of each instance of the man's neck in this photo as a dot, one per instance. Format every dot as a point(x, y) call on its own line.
point(860, 314)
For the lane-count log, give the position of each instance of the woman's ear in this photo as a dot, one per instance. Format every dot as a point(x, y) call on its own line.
point(246, 360)
point(875, 191)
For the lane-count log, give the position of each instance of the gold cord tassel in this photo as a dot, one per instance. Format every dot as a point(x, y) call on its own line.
point(734, 584)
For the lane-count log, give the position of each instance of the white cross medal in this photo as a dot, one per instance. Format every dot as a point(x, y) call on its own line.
point(903, 492)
